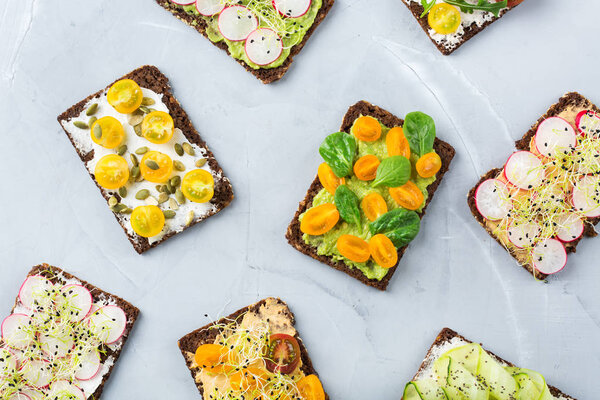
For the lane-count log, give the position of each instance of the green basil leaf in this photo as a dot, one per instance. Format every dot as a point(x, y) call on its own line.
point(348, 204)
point(484, 5)
point(338, 150)
point(392, 172)
point(401, 226)
point(427, 6)
point(419, 130)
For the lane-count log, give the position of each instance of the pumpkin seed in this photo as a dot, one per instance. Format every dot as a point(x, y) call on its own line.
point(189, 218)
point(81, 125)
point(170, 188)
point(175, 181)
point(159, 188)
point(188, 149)
point(178, 149)
point(92, 120)
point(135, 119)
point(97, 131)
point(142, 150)
point(122, 149)
point(118, 208)
point(142, 194)
point(163, 188)
point(123, 191)
point(179, 166)
point(138, 129)
point(139, 178)
point(134, 160)
point(200, 163)
point(92, 109)
point(135, 172)
point(151, 200)
point(169, 214)
point(163, 197)
point(153, 165)
point(179, 196)
point(147, 101)
point(145, 109)
point(112, 201)
point(127, 211)
point(173, 204)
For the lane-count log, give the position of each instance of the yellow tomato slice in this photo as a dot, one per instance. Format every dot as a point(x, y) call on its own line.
point(111, 172)
point(198, 186)
point(444, 18)
point(383, 251)
point(367, 129)
point(147, 221)
point(125, 96)
point(328, 178)
point(108, 132)
point(310, 388)
point(320, 219)
point(158, 127)
point(156, 167)
point(353, 248)
point(429, 165)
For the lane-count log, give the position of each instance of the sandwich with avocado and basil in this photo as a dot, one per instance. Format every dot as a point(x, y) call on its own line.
point(365, 206)
point(457, 369)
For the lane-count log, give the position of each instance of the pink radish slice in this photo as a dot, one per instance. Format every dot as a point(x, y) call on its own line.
point(263, 46)
point(586, 196)
point(108, 323)
point(64, 389)
point(555, 135)
point(523, 235)
point(37, 373)
point(491, 199)
point(14, 331)
point(569, 227)
point(33, 394)
point(292, 8)
point(209, 7)
point(183, 2)
point(588, 123)
point(34, 288)
point(524, 170)
point(19, 396)
point(236, 23)
point(77, 301)
point(549, 256)
point(57, 344)
point(90, 365)
point(8, 362)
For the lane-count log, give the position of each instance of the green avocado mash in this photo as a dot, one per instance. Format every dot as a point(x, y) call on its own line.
point(291, 30)
point(327, 244)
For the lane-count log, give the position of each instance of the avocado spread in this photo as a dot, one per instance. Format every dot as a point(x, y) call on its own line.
point(291, 30)
point(326, 244)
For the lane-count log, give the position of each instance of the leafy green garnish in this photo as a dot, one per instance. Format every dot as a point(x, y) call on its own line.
point(338, 151)
point(347, 203)
point(484, 5)
point(419, 130)
point(427, 5)
point(392, 172)
point(400, 225)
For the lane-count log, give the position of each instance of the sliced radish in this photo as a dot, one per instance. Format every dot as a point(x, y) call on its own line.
point(524, 170)
point(19, 396)
point(8, 362)
point(35, 289)
point(263, 46)
point(209, 7)
point(523, 235)
point(64, 389)
point(183, 2)
point(555, 135)
point(37, 373)
point(33, 394)
point(549, 256)
point(16, 332)
point(59, 343)
point(569, 227)
point(292, 8)
point(236, 23)
point(586, 196)
point(89, 366)
point(588, 123)
point(491, 199)
point(76, 301)
point(108, 323)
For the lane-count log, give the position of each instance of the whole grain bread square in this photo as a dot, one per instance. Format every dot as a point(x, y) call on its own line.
point(294, 235)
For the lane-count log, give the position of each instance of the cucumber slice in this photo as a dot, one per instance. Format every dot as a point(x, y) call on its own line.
point(501, 383)
point(538, 380)
point(527, 389)
point(468, 355)
point(426, 389)
point(458, 377)
point(453, 394)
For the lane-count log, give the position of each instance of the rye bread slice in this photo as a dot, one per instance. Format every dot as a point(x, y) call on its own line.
point(568, 100)
point(294, 235)
point(417, 9)
point(446, 335)
point(151, 78)
point(266, 75)
point(54, 274)
point(190, 342)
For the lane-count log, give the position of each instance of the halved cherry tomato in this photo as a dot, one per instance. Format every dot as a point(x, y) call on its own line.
point(365, 168)
point(444, 18)
point(247, 378)
point(408, 196)
point(373, 205)
point(366, 129)
point(353, 248)
point(428, 165)
point(111, 171)
point(158, 127)
point(282, 353)
point(156, 167)
point(147, 221)
point(328, 178)
point(396, 143)
point(211, 357)
point(125, 96)
point(383, 251)
point(198, 186)
point(108, 132)
point(310, 388)
point(320, 219)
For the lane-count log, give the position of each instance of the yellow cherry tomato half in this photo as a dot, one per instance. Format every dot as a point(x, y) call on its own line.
point(444, 18)
point(353, 248)
point(108, 132)
point(156, 167)
point(320, 219)
point(211, 357)
point(428, 165)
point(111, 172)
point(198, 186)
point(328, 178)
point(147, 221)
point(408, 196)
point(125, 96)
point(383, 251)
point(374, 206)
point(158, 127)
point(310, 388)
point(396, 143)
point(365, 168)
point(247, 378)
point(366, 129)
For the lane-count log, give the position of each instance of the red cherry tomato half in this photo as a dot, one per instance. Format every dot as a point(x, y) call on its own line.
point(512, 3)
point(283, 353)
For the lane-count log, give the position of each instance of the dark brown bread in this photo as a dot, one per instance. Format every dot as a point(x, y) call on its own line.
point(51, 273)
point(470, 31)
point(294, 235)
point(569, 99)
point(190, 342)
point(266, 75)
point(151, 78)
point(448, 334)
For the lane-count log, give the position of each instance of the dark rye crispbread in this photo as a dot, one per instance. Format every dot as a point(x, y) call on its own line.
point(151, 78)
point(294, 235)
point(447, 335)
point(568, 100)
point(205, 335)
point(417, 9)
point(53, 273)
point(266, 75)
